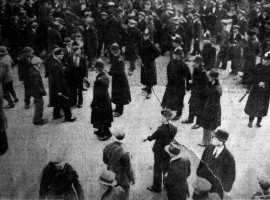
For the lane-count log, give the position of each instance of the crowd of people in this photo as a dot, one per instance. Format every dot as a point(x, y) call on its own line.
point(71, 38)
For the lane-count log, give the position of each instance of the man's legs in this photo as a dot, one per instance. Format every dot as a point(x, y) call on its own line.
point(56, 112)
point(80, 96)
point(7, 95)
point(38, 114)
point(157, 183)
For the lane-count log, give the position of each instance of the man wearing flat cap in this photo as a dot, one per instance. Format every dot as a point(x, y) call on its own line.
point(37, 90)
point(218, 165)
point(175, 180)
point(162, 136)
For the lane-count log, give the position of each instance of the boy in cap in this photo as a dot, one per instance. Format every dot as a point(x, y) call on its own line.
point(163, 136)
point(175, 180)
point(218, 165)
point(37, 90)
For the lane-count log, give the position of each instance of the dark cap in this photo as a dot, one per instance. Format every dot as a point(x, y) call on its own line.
point(221, 135)
point(115, 47)
point(27, 50)
point(213, 74)
point(198, 59)
point(167, 113)
point(99, 64)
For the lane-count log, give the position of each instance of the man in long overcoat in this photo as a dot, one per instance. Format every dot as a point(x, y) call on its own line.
point(208, 52)
point(91, 41)
point(148, 53)
point(258, 100)
point(102, 115)
point(178, 75)
point(211, 116)
point(120, 86)
point(117, 158)
point(198, 93)
point(218, 165)
point(162, 136)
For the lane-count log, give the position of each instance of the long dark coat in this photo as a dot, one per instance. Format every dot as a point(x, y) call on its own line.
point(209, 56)
point(101, 105)
point(148, 53)
point(37, 88)
point(115, 31)
point(220, 171)
point(90, 39)
point(178, 74)
point(176, 180)
point(120, 85)
point(58, 83)
point(133, 41)
point(198, 92)
point(60, 185)
point(258, 100)
point(211, 117)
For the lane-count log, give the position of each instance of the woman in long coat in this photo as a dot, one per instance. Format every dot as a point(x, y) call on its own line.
point(211, 117)
point(148, 53)
point(101, 105)
point(258, 100)
point(120, 87)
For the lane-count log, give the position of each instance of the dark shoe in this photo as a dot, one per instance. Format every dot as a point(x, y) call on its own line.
point(154, 190)
point(144, 89)
point(26, 107)
point(196, 126)
point(9, 106)
point(249, 124)
point(58, 117)
point(148, 96)
point(176, 118)
point(106, 137)
point(202, 144)
point(258, 125)
point(16, 100)
point(42, 122)
point(117, 114)
point(72, 119)
point(187, 121)
point(79, 106)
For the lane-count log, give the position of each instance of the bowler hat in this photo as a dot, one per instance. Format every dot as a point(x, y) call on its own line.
point(221, 135)
point(36, 60)
point(167, 113)
point(201, 186)
point(170, 12)
point(108, 178)
point(198, 59)
point(27, 50)
point(172, 150)
point(213, 74)
point(115, 47)
point(60, 20)
point(3, 50)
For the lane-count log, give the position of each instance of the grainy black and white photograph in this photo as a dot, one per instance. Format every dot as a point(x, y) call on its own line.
point(134, 99)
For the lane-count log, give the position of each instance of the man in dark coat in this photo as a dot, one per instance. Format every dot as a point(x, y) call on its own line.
point(117, 158)
point(60, 98)
point(148, 53)
point(133, 41)
point(208, 52)
point(102, 115)
point(60, 181)
point(102, 31)
point(175, 180)
point(163, 136)
point(258, 100)
point(120, 87)
point(24, 63)
point(211, 116)
point(53, 36)
point(178, 75)
point(197, 34)
point(76, 72)
point(218, 165)
point(37, 90)
point(199, 88)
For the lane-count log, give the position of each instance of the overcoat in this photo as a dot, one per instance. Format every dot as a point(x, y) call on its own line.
point(133, 40)
point(101, 105)
point(209, 56)
point(258, 100)
point(148, 53)
point(37, 88)
point(176, 180)
point(120, 85)
point(220, 171)
point(90, 39)
point(178, 73)
point(60, 185)
point(211, 117)
point(118, 160)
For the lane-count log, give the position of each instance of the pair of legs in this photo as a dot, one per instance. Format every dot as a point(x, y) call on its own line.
point(27, 95)
point(148, 89)
point(196, 47)
point(103, 133)
point(222, 58)
point(3, 142)
point(119, 109)
point(207, 136)
point(132, 65)
point(251, 119)
point(8, 92)
point(57, 114)
point(38, 114)
point(77, 95)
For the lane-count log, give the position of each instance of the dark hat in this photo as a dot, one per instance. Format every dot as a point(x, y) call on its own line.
point(119, 10)
point(252, 31)
point(198, 59)
point(120, 135)
point(150, 18)
point(67, 40)
point(57, 51)
point(76, 48)
point(178, 51)
point(201, 186)
point(221, 135)
point(141, 13)
point(115, 47)
point(207, 35)
point(167, 113)
point(172, 150)
point(36, 60)
point(146, 32)
point(236, 26)
point(213, 74)
point(99, 64)
point(27, 50)
point(77, 35)
point(3, 50)
point(177, 39)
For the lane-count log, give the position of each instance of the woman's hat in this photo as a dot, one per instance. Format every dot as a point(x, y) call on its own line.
point(107, 178)
point(213, 74)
